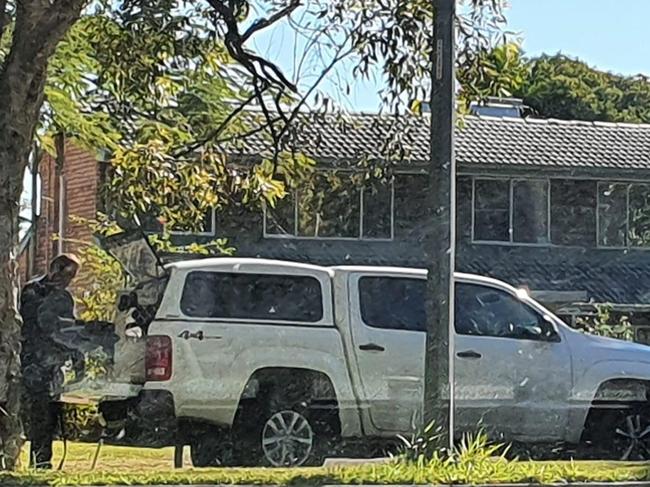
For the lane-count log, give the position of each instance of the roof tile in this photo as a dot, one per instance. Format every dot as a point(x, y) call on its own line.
point(479, 140)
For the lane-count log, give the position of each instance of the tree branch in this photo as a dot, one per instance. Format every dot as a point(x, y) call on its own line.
point(213, 134)
point(250, 133)
point(234, 42)
point(4, 16)
point(261, 24)
point(294, 113)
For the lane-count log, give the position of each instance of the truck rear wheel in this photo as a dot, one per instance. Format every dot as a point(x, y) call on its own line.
point(286, 425)
point(288, 439)
point(285, 435)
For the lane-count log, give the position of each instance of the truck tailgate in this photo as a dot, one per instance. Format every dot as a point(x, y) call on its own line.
point(124, 380)
point(94, 392)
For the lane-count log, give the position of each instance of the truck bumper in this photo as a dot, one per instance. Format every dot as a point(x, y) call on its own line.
point(147, 420)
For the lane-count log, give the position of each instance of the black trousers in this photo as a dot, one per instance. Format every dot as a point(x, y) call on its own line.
point(43, 417)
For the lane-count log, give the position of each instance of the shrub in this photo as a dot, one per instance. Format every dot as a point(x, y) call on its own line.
point(603, 324)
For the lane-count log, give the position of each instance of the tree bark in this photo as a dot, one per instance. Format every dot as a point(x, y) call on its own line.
point(39, 26)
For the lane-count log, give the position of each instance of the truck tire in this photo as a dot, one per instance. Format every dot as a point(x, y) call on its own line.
point(211, 447)
point(284, 431)
point(621, 434)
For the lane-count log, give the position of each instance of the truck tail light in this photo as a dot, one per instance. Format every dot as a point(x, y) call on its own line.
point(158, 358)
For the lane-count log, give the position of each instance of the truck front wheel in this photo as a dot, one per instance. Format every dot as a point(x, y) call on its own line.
point(632, 435)
point(620, 433)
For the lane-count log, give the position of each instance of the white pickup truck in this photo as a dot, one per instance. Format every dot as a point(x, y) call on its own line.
point(269, 362)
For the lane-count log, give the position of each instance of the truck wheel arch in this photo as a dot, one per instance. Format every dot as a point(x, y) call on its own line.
point(315, 384)
point(623, 391)
point(608, 389)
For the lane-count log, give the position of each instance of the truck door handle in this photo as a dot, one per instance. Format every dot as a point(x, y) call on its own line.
point(371, 347)
point(469, 354)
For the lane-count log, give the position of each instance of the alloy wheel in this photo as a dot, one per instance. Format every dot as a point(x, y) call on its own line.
point(287, 439)
point(634, 437)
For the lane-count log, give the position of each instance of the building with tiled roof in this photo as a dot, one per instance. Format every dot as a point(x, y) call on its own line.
point(562, 208)
point(518, 143)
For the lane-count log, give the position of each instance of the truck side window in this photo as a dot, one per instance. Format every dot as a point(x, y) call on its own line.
point(252, 296)
point(393, 303)
point(485, 311)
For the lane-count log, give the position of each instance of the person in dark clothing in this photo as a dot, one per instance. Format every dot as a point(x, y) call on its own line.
point(46, 307)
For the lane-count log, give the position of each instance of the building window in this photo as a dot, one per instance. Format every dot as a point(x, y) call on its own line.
point(623, 214)
point(335, 205)
point(410, 203)
point(330, 207)
point(612, 214)
point(514, 211)
point(530, 211)
point(573, 212)
point(207, 226)
point(639, 215)
point(377, 210)
point(281, 220)
point(492, 210)
point(151, 224)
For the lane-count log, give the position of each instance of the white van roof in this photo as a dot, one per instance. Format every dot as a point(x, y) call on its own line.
point(245, 263)
point(418, 272)
point(249, 264)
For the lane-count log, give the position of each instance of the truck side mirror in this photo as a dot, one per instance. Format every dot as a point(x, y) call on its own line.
point(549, 330)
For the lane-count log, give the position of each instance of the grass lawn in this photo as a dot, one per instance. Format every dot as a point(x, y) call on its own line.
point(131, 466)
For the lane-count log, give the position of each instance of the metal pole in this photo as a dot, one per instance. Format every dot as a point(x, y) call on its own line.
point(441, 241)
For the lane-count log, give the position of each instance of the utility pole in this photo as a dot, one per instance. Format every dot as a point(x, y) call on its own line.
point(441, 228)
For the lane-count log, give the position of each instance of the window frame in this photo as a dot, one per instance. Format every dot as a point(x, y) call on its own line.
point(211, 233)
point(511, 183)
point(360, 304)
point(295, 236)
point(556, 337)
point(353, 279)
point(550, 223)
point(599, 181)
point(163, 227)
point(324, 321)
point(627, 214)
point(628, 184)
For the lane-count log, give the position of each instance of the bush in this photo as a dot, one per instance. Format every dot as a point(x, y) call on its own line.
point(81, 423)
point(602, 324)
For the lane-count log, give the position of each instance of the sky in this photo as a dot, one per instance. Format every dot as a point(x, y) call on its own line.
point(607, 34)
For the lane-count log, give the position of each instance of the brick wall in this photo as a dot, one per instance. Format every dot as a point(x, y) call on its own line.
point(82, 185)
point(23, 267)
point(80, 196)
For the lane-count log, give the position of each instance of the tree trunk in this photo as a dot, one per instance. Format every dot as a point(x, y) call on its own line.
point(10, 426)
point(16, 134)
point(39, 25)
